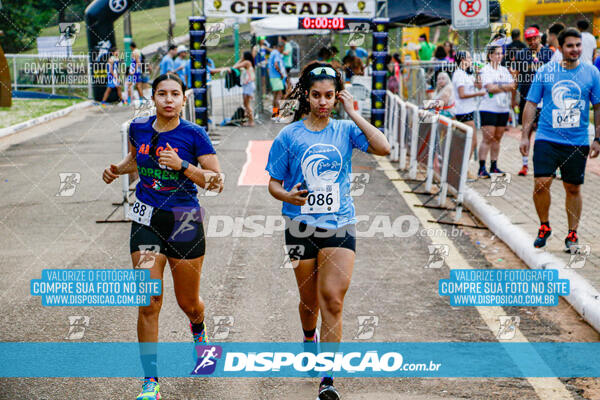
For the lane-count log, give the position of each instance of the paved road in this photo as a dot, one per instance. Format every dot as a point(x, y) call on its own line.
point(242, 277)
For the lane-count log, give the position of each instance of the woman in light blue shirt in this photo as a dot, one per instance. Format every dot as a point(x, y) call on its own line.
point(309, 164)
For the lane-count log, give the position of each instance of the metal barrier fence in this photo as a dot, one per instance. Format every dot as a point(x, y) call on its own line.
point(224, 102)
point(50, 72)
point(436, 145)
point(188, 111)
point(395, 111)
point(421, 76)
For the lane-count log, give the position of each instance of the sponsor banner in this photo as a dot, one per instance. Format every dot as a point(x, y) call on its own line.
point(306, 8)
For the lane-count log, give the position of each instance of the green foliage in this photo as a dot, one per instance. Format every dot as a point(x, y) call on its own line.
point(21, 21)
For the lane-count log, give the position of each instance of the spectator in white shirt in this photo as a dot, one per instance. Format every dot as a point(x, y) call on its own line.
point(494, 108)
point(466, 90)
point(588, 42)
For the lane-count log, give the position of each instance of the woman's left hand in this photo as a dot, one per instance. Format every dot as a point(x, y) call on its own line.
point(169, 158)
point(347, 101)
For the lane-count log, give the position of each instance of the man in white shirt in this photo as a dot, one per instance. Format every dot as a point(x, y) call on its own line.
point(588, 42)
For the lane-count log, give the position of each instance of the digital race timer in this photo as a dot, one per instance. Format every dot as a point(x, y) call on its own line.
point(321, 23)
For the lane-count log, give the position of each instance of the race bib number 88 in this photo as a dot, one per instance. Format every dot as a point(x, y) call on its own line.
point(140, 212)
point(322, 200)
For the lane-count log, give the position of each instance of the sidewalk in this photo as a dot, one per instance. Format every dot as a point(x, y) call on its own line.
point(517, 204)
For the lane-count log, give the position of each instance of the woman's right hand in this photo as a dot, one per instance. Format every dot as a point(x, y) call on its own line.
point(297, 197)
point(110, 174)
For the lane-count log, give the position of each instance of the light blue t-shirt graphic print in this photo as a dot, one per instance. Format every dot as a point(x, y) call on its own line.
point(320, 159)
point(566, 94)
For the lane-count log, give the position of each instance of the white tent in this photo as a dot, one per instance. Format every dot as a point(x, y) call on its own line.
point(281, 26)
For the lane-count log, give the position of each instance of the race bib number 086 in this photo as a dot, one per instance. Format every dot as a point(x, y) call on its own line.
point(140, 212)
point(322, 200)
point(566, 118)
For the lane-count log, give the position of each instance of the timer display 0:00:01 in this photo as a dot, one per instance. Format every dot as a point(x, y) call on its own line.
point(323, 23)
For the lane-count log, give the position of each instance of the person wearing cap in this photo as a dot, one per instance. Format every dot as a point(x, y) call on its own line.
point(179, 63)
point(527, 62)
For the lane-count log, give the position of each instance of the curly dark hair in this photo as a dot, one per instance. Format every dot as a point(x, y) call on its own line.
point(305, 82)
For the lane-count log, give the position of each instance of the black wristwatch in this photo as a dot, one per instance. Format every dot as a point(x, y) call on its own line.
point(597, 139)
point(184, 166)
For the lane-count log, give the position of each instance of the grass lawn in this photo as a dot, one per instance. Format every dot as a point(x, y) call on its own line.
point(25, 109)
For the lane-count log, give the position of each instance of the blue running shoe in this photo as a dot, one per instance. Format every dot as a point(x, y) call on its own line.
point(150, 390)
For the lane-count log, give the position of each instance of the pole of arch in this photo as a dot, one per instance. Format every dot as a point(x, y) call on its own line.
point(379, 74)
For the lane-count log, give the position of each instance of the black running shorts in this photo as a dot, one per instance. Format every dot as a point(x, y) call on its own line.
point(464, 117)
point(303, 241)
point(493, 119)
point(549, 156)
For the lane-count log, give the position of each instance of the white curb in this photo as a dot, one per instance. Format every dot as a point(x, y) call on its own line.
point(583, 297)
point(44, 118)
